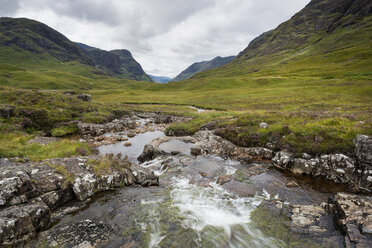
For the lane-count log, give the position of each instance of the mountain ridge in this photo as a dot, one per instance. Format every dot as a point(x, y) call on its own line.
point(202, 66)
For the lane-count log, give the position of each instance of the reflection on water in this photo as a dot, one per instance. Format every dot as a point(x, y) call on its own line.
point(133, 151)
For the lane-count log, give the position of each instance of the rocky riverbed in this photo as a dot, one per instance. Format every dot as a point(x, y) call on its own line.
point(201, 191)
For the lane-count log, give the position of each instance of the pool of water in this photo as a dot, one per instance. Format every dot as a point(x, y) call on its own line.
point(138, 142)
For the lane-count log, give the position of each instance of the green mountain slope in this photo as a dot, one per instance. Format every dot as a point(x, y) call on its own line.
point(35, 56)
point(118, 63)
point(27, 35)
point(329, 38)
point(202, 66)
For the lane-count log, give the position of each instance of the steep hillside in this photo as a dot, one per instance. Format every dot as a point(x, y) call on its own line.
point(129, 66)
point(35, 56)
point(27, 35)
point(202, 66)
point(118, 63)
point(327, 38)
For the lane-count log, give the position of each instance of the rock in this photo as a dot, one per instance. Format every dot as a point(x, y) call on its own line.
point(163, 119)
point(82, 234)
point(307, 224)
point(84, 97)
point(149, 153)
point(338, 168)
point(14, 186)
point(19, 224)
point(224, 179)
point(209, 126)
point(292, 184)
point(196, 149)
point(131, 134)
point(127, 144)
point(6, 112)
point(264, 125)
point(354, 217)
point(146, 179)
point(363, 149)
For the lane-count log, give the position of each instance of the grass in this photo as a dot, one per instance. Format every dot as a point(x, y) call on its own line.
point(16, 145)
point(68, 176)
point(104, 165)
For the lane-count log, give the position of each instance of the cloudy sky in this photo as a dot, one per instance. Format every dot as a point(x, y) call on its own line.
point(165, 36)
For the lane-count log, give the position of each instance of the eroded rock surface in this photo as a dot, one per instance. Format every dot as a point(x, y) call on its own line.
point(31, 191)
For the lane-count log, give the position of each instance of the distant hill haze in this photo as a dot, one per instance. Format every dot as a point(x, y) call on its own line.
point(160, 79)
point(119, 63)
point(202, 66)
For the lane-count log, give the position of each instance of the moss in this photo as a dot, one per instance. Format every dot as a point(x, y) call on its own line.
point(64, 131)
point(16, 145)
point(68, 176)
point(107, 163)
point(275, 224)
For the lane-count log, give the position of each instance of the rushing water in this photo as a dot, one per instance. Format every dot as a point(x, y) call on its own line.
point(189, 208)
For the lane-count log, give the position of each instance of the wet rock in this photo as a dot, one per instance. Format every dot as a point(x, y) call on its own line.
point(224, 179)
point(310, 225)
point(146, 179)
point(354, 218)
point(149, 153)
point(19, 224)
point(55, 199)
point(127, 144)
point(292, 184)
point(85, 233)
point(241, 189)
point(131, 134)
point(84, 97)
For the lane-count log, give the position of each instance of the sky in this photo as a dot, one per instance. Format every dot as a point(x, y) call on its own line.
point(164, 36)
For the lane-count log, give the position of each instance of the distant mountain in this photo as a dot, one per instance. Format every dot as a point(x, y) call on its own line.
point(119, 63)
point(21, 34)
point(202, 66)
point(160, 79)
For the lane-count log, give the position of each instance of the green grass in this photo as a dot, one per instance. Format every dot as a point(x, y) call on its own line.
point(104, 165)
point(15, 145)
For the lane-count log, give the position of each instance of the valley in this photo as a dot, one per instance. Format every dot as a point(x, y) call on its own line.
point(269, 148)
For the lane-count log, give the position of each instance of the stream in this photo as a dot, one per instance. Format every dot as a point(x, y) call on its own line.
point(191, 207)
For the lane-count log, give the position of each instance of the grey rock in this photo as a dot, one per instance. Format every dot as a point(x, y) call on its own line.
point(84, 97)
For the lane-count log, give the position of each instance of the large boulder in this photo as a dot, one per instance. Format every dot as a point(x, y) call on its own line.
point(354, 217)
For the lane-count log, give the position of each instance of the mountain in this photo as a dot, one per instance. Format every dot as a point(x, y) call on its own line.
point(203, 66)
point(23, 34)
point(160, 79)
point(41, 57)
point(327, 38)
point(119, 63)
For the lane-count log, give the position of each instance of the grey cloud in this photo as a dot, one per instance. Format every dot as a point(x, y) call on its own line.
point(8, 7)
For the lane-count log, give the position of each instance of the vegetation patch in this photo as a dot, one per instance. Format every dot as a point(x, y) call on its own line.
point(64, 131)
point(107, 163)
point(16, 145)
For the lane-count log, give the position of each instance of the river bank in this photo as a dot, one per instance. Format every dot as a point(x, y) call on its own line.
point(202, 179)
